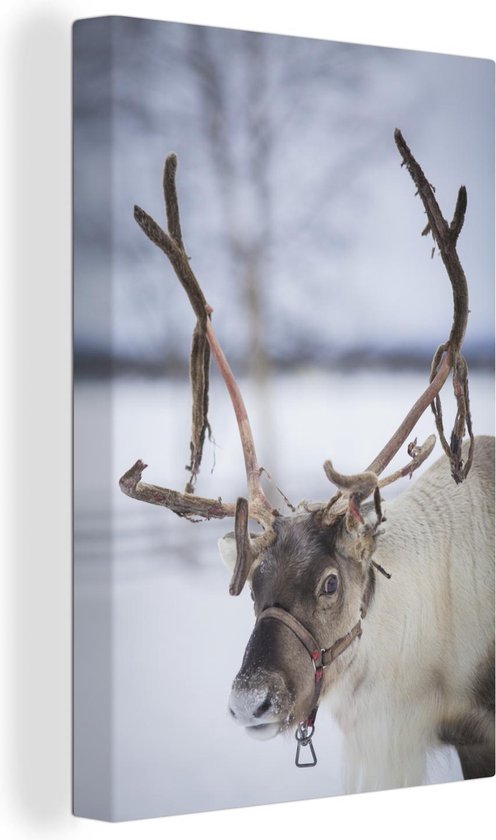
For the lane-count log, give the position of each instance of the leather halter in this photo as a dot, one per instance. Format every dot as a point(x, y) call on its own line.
point(321, 658)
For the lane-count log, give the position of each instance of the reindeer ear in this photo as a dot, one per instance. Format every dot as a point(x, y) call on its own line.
point(363, 519)
point(227, 549)
point(359, 543)
point(361, 536)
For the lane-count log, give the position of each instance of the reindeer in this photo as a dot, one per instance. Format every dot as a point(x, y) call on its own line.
point(390, 621)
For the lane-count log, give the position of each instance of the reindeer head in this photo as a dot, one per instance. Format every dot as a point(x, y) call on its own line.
point(315, 573)
point(311, 585)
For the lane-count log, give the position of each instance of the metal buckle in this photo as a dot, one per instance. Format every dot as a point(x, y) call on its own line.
point(304, 735)
point(319, 669)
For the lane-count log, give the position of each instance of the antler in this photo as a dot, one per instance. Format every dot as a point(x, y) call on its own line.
point(205, 340)
point(353, 490)
point(182, 504)
point(447, 358)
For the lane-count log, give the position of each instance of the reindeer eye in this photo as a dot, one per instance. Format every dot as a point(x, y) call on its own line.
point(330, 585)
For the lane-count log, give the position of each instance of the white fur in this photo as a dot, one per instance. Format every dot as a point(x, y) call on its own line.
point(227, 550)
point(428, 629)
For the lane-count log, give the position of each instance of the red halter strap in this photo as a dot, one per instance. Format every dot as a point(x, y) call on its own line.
point(321, 658)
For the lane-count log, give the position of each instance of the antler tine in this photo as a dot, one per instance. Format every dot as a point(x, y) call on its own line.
point(190, 507)
point(248, 548)
point(355, 487)
point(183, 504)
point(448, 356)
point(204, 341)
point(418, 455)
point(244, 552)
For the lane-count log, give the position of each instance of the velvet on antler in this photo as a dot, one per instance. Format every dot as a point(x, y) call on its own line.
point(352, 490)
point(448, 357)
point(205, 341)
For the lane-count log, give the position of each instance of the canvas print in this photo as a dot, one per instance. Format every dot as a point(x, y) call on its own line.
point(283, 418)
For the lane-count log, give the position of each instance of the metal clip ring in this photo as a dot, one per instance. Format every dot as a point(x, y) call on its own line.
point(304, 736)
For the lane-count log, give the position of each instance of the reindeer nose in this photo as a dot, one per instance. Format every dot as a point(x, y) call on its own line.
point(257, 701)
point(245, 706)
point(264, 707)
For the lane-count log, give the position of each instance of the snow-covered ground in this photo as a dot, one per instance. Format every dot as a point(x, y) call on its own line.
point(154, 589)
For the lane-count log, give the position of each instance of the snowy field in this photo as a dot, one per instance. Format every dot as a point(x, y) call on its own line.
point(154, 587)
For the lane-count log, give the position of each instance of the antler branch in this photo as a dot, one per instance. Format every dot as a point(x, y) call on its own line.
point(393, 446)
point(181, 503)
point(204, 340)
point(196, 508)
point(356, 487)
point(446, 236)
point(172, 246)
point(418, 455)
point(447, 358)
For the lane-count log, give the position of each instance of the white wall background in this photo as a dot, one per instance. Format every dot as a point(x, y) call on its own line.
point(35, 417)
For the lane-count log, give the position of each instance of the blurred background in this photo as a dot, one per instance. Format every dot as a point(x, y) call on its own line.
point(304, 232)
